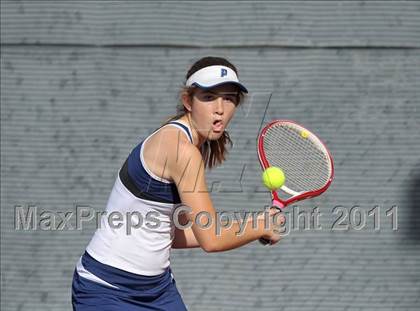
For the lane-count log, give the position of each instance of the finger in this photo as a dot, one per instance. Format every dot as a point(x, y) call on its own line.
point(279, 218)
point(275, 208)
point(273, 211)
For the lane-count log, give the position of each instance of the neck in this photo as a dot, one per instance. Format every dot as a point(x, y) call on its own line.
point(198, 140)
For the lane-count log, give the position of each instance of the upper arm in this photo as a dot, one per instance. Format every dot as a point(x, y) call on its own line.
point(188, 172)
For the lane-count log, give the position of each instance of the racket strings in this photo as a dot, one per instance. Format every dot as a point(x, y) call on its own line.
point(305, 163)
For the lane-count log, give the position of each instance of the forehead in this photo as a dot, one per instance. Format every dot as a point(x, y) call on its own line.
point(224, 88)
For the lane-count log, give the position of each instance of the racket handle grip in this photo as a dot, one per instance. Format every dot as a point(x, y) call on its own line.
point(277, 205)
point(264, 241)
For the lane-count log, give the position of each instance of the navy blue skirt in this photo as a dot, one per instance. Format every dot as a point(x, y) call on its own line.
point(126, 291)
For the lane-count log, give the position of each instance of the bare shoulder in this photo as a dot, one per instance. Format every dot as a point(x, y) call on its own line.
point(183, 153)
point(168, 150)
point(174, 141)
point(187, 170)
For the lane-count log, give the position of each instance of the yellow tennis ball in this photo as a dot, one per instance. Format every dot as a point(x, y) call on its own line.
point(273, 177)
point(304, 134)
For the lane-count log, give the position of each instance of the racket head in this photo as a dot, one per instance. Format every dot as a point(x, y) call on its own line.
point(303, 157)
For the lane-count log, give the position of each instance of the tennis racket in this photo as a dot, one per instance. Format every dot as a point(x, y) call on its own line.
point(304, 159)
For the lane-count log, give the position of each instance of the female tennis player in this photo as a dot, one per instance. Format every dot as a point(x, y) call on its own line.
point(126, 268)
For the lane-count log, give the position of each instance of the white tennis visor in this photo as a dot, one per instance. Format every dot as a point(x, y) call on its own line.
point(213, 76)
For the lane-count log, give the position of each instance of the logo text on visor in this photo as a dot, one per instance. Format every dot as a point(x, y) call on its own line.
point(214, 75)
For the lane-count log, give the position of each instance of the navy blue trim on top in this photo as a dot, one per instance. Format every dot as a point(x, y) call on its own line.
point(186, 129)
point(141, 184)
point(134, 189)
point(136, 179)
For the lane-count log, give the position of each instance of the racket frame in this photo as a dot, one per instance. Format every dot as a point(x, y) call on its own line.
point(276, 201)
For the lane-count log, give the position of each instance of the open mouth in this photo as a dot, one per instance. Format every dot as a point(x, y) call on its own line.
point(217, 125)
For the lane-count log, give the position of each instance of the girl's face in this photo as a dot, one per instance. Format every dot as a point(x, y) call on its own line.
point(211, 110)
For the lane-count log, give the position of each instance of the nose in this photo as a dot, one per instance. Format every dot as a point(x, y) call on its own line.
point(219, 105)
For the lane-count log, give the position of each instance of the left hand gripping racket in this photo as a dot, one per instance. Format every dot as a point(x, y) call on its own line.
point(304, 159)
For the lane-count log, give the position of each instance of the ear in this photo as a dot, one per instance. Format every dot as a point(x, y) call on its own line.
point(186, 101)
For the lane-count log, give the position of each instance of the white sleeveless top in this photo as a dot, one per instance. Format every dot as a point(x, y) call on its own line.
point(137, 191)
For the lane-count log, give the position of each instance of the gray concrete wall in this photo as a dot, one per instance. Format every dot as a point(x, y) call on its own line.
point(83, 82)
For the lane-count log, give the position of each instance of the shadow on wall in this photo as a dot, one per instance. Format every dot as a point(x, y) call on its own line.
point(413, 229)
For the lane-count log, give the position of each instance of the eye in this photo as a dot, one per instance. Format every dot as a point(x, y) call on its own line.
point(231, 98)
point(207, 97)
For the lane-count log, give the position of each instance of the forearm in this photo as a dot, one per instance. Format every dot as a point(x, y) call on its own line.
point(232, 234)
point(239, 234)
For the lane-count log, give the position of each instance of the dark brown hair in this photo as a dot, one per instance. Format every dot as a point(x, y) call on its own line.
point(214, 152)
